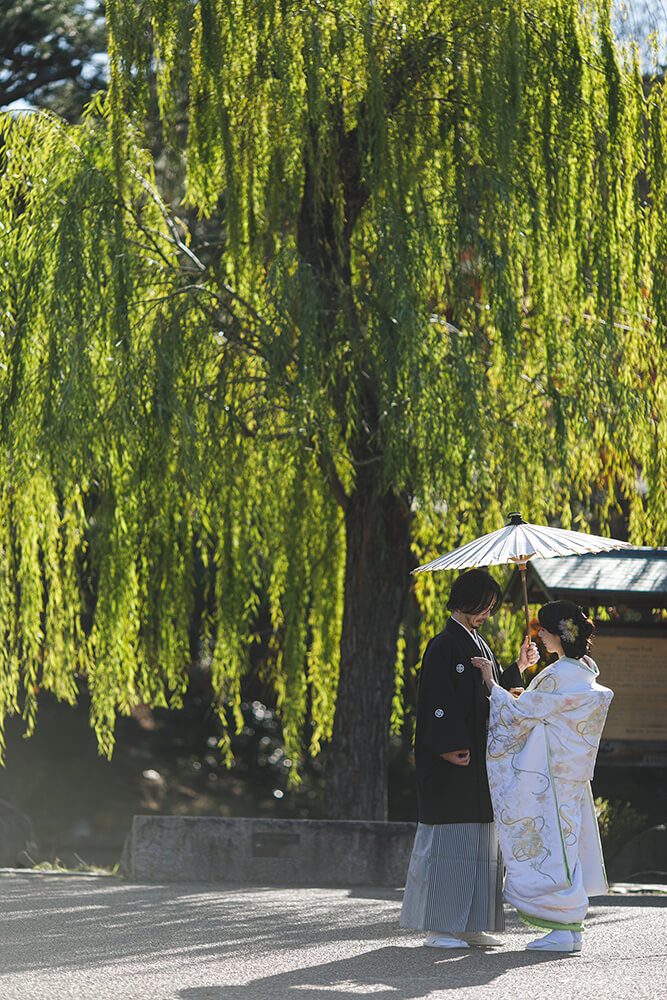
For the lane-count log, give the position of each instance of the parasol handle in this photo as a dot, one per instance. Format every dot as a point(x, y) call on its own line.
point(522, 568)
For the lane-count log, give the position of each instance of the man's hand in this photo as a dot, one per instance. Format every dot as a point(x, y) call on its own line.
point(459, 757)
point(529, 654)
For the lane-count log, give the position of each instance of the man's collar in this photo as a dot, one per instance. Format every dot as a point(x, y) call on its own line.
point(471, 632)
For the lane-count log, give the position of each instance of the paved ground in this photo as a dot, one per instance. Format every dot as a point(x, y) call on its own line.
point(104, 939)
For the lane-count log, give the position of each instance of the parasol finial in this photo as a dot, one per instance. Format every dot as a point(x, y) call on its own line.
point(515, 518)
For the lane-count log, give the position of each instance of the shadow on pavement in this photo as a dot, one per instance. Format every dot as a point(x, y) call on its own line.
point(98, 924)
point(396, 973)
point(252, 935)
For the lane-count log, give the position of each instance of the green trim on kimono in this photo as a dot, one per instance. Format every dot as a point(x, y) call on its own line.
point(548, 925)
point(555, 795)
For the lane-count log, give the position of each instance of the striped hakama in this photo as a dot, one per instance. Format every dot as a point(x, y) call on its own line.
point(454, 881)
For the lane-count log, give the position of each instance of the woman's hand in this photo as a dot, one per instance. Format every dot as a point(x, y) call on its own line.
point(459, 757)
point(486, 667)
point(528, 655)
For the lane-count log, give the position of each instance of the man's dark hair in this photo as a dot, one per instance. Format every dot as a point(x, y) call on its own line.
point(474, 592)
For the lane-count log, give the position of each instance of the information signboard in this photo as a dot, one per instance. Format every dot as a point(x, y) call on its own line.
point(635, 668)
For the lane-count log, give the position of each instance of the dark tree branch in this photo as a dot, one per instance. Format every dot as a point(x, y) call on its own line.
point(328, 470)
point(49, 72)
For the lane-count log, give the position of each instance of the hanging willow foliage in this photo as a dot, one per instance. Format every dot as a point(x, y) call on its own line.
point(439, 287)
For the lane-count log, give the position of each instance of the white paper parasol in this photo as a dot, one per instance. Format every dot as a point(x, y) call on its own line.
point(518, 542)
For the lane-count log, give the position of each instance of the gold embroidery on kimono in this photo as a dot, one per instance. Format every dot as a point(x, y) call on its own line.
point(540, 758)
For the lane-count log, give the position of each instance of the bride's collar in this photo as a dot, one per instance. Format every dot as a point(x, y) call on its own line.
point(590, 667)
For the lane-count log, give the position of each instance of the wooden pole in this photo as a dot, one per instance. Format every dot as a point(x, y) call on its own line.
point(522, 568)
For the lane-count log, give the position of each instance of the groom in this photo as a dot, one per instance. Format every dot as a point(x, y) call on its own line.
point(454, 884)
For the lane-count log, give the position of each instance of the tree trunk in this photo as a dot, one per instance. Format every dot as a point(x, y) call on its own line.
point(377, 581)
point(377, 524)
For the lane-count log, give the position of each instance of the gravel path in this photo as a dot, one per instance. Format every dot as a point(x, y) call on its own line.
point(77, 938)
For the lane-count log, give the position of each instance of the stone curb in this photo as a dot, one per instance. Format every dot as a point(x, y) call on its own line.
point(267, 851)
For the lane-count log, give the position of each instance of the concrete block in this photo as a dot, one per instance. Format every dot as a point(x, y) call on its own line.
point(267, 851)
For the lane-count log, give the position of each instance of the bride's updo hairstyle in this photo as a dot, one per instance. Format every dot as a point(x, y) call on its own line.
point(568, 621)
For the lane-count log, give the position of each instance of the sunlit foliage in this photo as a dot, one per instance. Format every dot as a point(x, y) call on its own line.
point(438, 275)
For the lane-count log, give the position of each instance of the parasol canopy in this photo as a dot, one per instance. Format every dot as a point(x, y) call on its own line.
point(518, 542)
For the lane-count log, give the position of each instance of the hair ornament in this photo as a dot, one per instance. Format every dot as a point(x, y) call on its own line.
point(568, 629)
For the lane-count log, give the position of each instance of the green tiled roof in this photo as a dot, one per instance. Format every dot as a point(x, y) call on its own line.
point(626, 576)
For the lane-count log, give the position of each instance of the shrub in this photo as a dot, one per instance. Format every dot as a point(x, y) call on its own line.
point(618, 822)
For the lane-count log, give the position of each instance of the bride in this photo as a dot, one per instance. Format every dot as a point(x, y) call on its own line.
point(541, 753)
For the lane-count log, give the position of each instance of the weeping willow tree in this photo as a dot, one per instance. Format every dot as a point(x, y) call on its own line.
point(432, 289)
